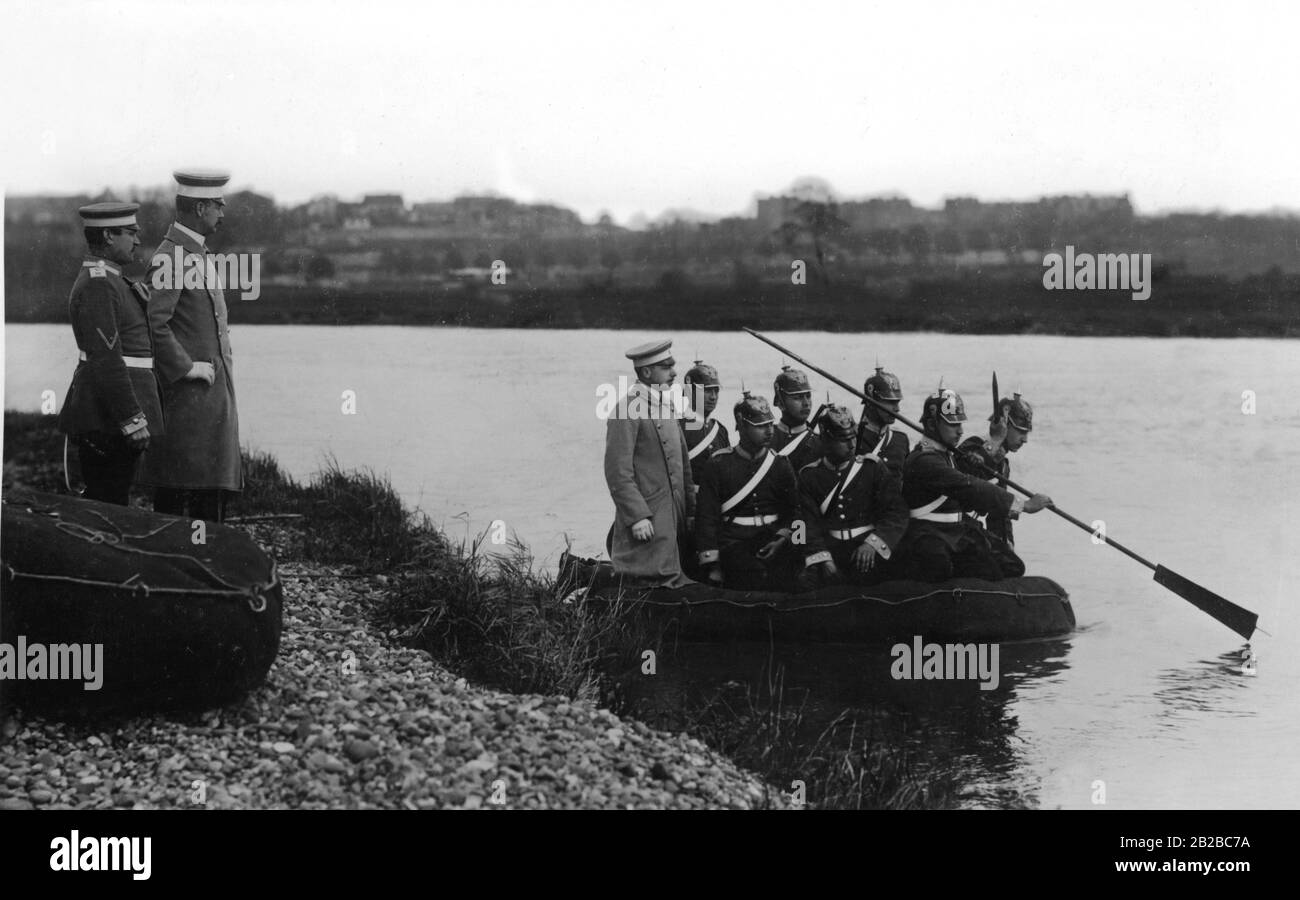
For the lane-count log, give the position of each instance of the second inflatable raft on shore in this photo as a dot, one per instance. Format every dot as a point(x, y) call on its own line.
point(179, 618)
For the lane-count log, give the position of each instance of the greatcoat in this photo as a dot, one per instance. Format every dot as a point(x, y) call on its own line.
point(648, 477)
point(188, 322)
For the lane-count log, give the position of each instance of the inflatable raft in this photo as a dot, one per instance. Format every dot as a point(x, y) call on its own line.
point(108, 608)
point(963, 609)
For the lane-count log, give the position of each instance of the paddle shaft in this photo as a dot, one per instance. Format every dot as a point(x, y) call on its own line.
point(915, 427)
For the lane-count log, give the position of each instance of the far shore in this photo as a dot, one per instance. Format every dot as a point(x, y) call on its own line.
point(1008, 302)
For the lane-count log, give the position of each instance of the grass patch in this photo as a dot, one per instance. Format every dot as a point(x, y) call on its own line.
point(494, 619)
point(846, 764)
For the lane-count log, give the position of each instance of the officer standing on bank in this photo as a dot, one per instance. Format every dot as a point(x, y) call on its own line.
point(112, 409)
point(198, 465)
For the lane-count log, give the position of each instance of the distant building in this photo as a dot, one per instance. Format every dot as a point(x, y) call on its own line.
point(383, 209)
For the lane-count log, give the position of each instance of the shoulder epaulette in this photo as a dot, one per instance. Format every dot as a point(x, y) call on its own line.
point(720, 451)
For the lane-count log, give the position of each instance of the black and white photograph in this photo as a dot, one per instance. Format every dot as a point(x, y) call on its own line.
point(503, 406)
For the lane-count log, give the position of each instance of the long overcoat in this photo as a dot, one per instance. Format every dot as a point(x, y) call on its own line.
point(188, 322)
point(648, 478)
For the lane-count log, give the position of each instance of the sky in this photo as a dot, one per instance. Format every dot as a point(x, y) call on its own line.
point(631, 108)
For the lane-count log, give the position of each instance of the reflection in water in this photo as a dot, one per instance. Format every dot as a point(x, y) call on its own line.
point(1210, 686)
point(949, 726)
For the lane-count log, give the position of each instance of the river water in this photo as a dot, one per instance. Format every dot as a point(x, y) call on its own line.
point(1148, 435)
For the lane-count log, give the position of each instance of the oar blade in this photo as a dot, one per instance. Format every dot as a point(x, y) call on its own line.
point(1237, 618)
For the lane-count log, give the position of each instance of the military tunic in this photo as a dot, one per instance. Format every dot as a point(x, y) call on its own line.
point(765, 512)
point(840, 518)
point(703, 442)
point(201, 449)
point(979, 458)
point(891, 446)
point(113, 386)
point(941, 542)
point(110, 325)
point(807, 446)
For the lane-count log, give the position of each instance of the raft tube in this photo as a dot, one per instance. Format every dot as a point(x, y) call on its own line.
point(180, 615)
point(962, 609)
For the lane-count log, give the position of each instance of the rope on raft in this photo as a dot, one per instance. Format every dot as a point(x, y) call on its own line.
point(255, 596)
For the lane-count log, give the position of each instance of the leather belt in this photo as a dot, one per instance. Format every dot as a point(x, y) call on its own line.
point(755, 520)
point(132, 362)
point(938, 517)
point(849, 534)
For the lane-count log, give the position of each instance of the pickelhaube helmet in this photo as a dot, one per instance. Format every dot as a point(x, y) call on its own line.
point(753, 410)
point(945, 404)
point(702, 374)
point(836, 423)
point(791, 381)
point(1018, 412)
point(883, 386)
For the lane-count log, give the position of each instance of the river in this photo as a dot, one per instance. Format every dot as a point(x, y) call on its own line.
point(1148, 435)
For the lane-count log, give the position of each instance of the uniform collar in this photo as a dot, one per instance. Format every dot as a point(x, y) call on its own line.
point(798, 429)
point(191, 234)
point(95, 262)
point(834, 468)
point(744, 454)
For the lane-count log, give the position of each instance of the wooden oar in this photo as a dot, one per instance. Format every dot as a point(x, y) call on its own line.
point(1238, 618)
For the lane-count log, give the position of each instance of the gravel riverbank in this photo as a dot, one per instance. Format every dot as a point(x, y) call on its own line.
point(347, 719)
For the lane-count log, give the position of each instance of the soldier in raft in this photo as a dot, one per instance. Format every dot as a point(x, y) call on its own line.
point(941, 542)
point(113, 407)
point(792, 437)
point(747, 505)
point(874, 434)
point(1009, 427)
point(705, 435)
point(853, 504)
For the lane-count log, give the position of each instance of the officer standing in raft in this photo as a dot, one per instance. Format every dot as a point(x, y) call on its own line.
point(747, 505)
point(1009, 427)
point(792, 437)
point(874, 434)
point(853, 503)
point(113, 407)
point(941, 542)
point(647, 472)
point(705, 435)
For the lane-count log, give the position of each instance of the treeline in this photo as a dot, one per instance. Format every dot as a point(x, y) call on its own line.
point(1008, 303)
